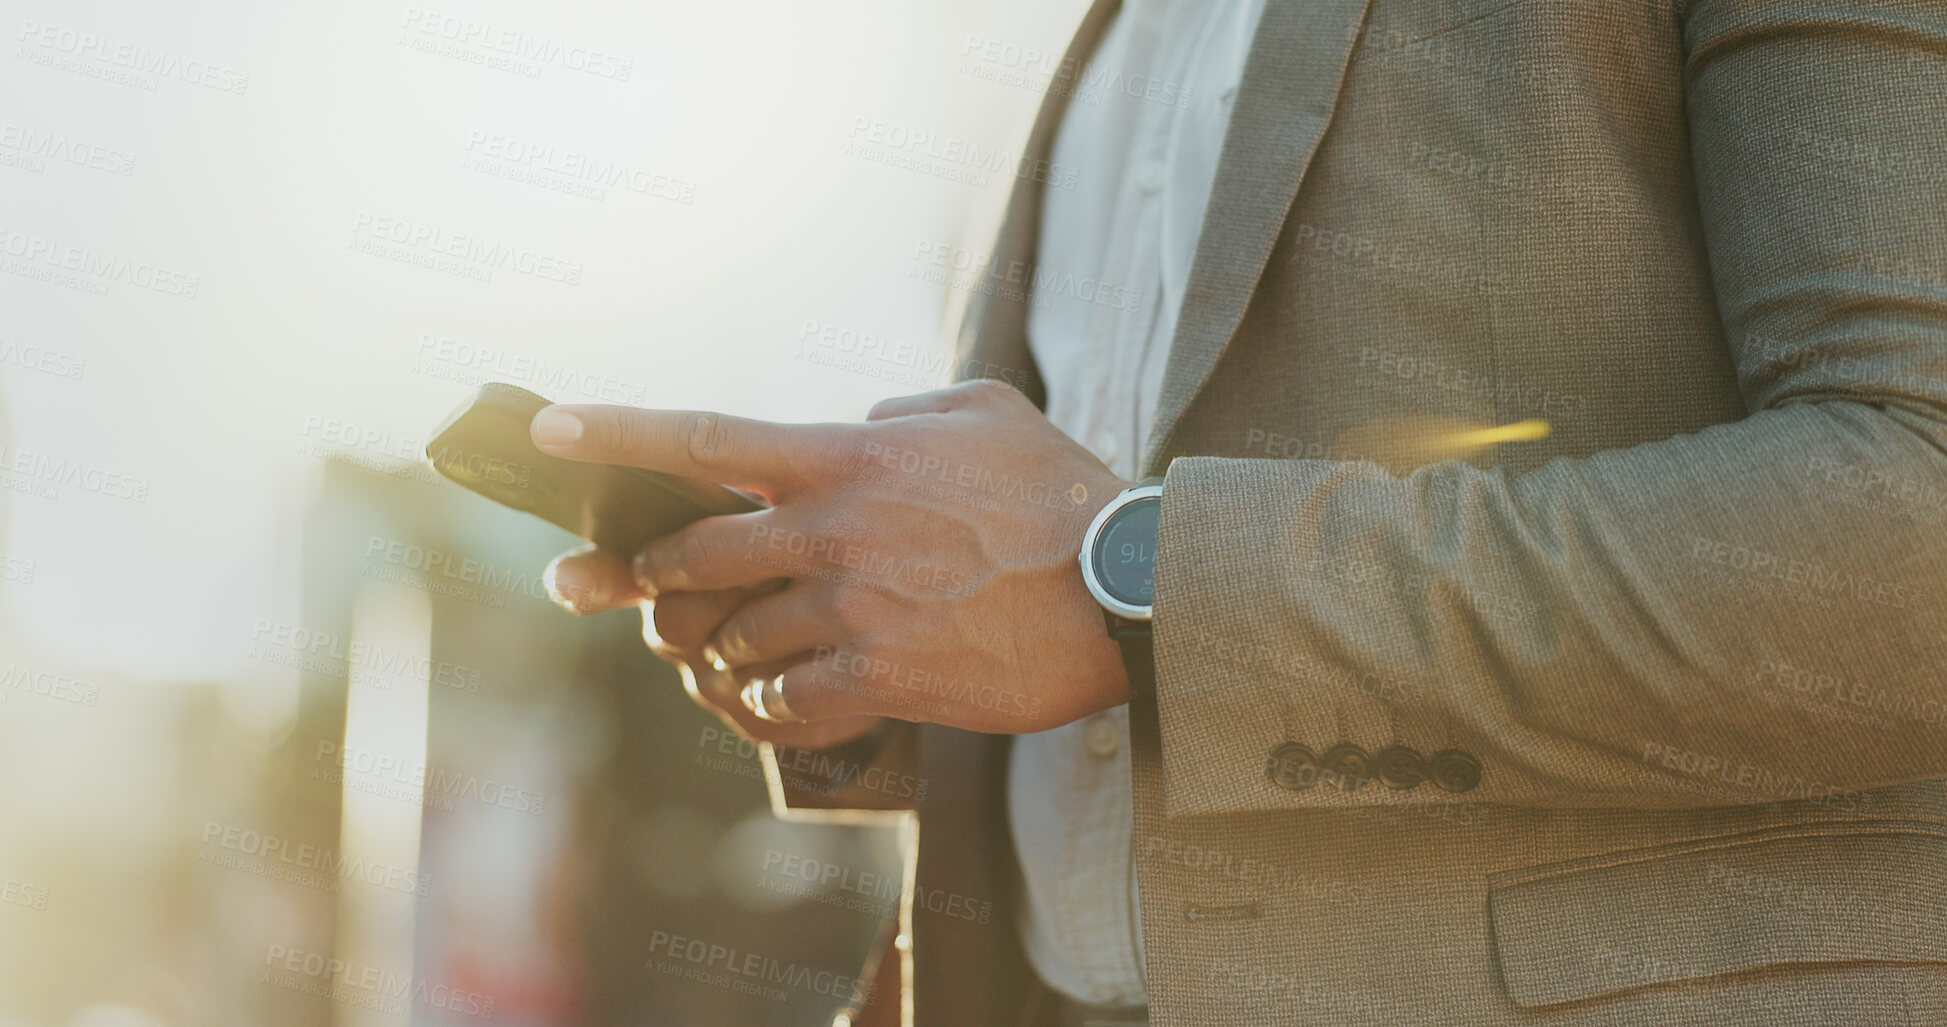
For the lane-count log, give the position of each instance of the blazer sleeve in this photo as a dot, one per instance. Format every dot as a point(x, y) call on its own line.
point(1756, 612)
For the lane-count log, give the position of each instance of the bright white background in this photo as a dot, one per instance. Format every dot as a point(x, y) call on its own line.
point(256, 195)
point(297, 348)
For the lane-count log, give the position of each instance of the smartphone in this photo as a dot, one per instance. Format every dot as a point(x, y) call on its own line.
point(485, 447)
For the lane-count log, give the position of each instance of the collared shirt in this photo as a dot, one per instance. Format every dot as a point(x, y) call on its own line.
point(1143, 132)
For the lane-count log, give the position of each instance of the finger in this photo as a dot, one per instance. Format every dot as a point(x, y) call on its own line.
point(726, 551)
point(693, 444)
point(978, 392)
point(777, 627)
point(725, 690)
point(590, 580)
point(684, 621)
point(719, 692)
point(764, 698)
point(821, 689)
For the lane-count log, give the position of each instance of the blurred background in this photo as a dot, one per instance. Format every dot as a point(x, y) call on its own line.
point(289, 733)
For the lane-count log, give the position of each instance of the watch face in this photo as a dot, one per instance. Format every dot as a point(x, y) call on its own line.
point(1125, 552)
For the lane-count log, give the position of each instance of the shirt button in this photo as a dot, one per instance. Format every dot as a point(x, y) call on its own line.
point(1103, 737)
point(1104, 446)
point(1149, 176)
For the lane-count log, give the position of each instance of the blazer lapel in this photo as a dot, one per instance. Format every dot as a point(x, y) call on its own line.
point(993, 340)
point(1289, 90)
point(966, 972)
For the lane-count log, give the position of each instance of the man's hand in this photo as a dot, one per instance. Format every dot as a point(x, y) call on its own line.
point(677, 626)
point(929, 557)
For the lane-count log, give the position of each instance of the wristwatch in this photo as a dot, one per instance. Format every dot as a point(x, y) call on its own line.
point(1119, 567)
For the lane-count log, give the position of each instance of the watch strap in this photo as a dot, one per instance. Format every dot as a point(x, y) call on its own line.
point(1138, 654)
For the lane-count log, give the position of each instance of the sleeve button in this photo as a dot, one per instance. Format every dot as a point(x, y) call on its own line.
point(1292, 767)
point(1347, 766)
point(1454, 770)
point(1399, 768)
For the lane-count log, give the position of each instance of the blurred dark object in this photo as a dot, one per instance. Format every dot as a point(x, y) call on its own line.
point(599, 849)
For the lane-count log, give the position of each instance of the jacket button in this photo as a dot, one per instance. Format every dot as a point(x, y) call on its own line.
point(1454, 770)
point(1292, 766)
point(1346, 765)
point(1399, 768)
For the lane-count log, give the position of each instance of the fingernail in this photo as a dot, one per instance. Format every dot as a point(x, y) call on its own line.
point(771, 697)
point(567, 593)
point(639, 570)
point(580, 601)
point(552, 427)
point(643, 567)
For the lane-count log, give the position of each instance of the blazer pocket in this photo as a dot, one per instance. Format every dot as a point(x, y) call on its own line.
point(1391, 24)
point(1814, 893)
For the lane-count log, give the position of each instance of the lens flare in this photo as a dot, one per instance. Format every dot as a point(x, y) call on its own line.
point(1400, 444)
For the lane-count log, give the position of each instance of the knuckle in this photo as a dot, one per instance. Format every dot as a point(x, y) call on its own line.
point(848, 610)
point(990, 390)
point(704, 436)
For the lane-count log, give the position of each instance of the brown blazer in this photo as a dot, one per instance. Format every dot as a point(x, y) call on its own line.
point(1691, 643)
